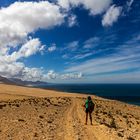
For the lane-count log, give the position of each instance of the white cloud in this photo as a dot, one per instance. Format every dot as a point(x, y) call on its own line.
point(10, 66)
point(52, 47)
point(104, 65)
point(71, 76)
point(72, 20)
point(29, 48)
point(129, 4)
point(124, 61)
point(30, 16)
point(64, 4)
point(111, 15)
point(65, 56)
point(72, 46)
point(51, 75)
point(17, 21)
point(91, 42)
point(82, 56)
point(11, 69)
point(32, 74)
point(19, 70)
point(22, 18)
point(112, 78)
point(94, 6)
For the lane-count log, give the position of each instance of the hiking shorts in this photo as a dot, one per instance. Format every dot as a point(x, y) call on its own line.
point(88, 111)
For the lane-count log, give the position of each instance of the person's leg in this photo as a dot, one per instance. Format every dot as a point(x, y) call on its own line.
point(86, 117)
point(90, 116)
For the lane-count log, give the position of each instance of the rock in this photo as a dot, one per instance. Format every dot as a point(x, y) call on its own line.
point(104, 112)
point(49, 121)
point(130, 138)
point(21, 120)
point(41, 117)
point(17, 105)
point(35, 135)
point(120, 134)
point(1, 106)
point(125, 116)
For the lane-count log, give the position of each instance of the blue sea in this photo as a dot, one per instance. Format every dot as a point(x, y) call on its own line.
point(129, 93)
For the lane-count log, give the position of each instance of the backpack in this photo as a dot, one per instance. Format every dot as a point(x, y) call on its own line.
point(90, 105)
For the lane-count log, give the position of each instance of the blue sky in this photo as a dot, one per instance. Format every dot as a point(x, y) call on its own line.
point(79, 41)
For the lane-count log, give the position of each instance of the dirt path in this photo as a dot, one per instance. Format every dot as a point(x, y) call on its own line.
point(95, 131)
point(75, 128)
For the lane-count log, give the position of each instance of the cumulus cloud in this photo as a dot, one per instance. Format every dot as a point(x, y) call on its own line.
point(32, 15)
point(51, 75)
point(94, 6)
point(12, 69)
point(29, 48)
point(22, 18)
point(17, 21)
point(32, 74)
point(111, 15)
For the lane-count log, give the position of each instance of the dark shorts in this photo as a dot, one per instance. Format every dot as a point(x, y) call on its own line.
point(88, 111)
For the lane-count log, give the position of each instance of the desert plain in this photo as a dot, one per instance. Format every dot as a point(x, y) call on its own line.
point(37, 114)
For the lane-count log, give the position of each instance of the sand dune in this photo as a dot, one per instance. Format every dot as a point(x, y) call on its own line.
point(37, 114)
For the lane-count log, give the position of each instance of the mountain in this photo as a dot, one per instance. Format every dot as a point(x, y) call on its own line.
point(5, 80)
point(28, 83)
point(14, 81)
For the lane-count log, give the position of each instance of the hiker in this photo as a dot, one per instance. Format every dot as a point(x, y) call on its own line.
point(89, 107)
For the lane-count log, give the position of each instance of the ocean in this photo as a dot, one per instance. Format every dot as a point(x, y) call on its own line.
point(129, 93)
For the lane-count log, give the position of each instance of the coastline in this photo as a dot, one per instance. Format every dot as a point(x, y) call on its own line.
point(31, 113)
point(31, 91)
point(119, 92)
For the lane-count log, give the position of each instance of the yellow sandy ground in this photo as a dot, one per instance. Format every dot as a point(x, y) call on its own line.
point(38, 114)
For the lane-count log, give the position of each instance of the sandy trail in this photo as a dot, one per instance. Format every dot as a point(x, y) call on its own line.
point(75, 128)
point(92, 132)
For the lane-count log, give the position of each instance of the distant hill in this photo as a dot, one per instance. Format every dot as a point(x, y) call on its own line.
point(4, 80)
point(28, 83)
point(14, 81)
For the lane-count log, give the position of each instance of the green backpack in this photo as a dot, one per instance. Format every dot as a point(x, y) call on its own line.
point(89, 105)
